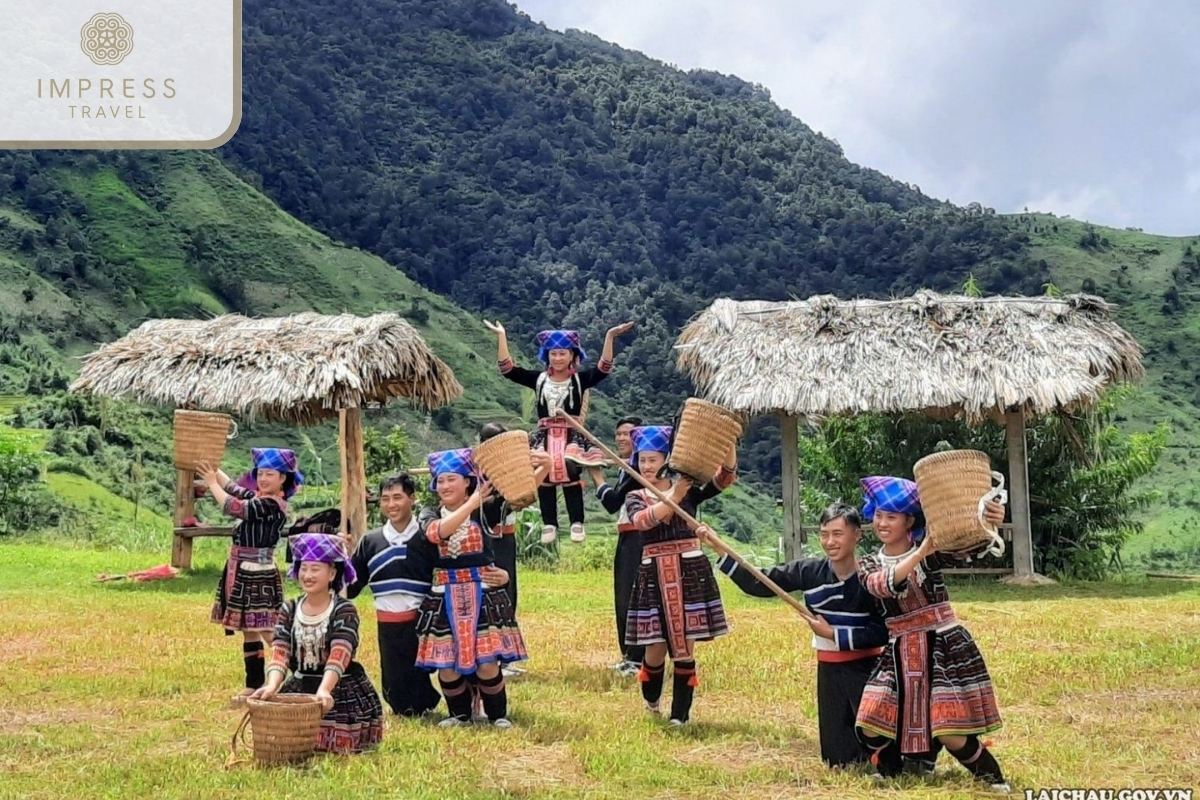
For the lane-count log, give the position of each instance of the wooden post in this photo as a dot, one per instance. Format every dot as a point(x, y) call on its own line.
point(793, 527)
point(1018, 478)
point(185, 506)
point(354, 473)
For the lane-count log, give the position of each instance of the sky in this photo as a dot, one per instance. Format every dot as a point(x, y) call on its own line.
point(1086, 108)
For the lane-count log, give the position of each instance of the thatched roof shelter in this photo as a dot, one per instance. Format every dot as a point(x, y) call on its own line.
point(1005, 358)
point(301, 369)
point(963, 355)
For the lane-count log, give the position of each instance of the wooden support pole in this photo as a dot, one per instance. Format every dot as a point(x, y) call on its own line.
point(1018, 478)
point(794, 534)
point(354, 474)
point(185, 506)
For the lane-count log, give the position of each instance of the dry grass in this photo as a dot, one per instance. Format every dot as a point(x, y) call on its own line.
point(949, 353)
point(299, 369)
point(119, 690)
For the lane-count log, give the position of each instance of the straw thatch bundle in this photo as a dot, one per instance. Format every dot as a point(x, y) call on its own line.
point(961, 355)
point(300, 369)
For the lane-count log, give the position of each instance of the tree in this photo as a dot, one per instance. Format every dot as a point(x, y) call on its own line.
point(1083, 470)
point(20, 474)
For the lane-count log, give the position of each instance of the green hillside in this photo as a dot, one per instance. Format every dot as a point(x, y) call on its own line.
point(1153, 282)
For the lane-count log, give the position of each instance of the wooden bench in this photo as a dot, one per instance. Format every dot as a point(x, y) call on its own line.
point(181, 543)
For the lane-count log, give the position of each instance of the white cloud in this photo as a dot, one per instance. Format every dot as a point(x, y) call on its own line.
point(1090, 104)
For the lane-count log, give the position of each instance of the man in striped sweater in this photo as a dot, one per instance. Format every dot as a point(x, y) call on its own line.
point(849, 633)
point(399, 579)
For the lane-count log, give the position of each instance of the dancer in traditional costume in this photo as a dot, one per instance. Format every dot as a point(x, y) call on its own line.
point(465, 628)
point(316, 639)
point(848, 634)
point(560, 386)
point(399, 577)
point(675, 600)
point(946, 697)
point(628, 555)
point(250, 592)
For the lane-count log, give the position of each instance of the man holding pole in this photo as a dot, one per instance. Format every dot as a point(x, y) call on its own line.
point(848, 632)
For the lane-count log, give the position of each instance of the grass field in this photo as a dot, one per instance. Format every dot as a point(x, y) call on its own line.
point(119, 690)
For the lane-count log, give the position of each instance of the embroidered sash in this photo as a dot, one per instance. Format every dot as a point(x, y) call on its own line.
point(248, 555)
point(463, 602)
point(911, 634)
point(668, 560)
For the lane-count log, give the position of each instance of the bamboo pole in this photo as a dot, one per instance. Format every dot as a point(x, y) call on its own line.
point(712, 542)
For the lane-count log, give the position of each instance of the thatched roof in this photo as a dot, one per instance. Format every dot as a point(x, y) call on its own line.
point(301, 369)
point(934, 353)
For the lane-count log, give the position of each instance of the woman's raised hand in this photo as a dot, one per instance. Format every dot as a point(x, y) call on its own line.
point(494, 327)
point(618, 330)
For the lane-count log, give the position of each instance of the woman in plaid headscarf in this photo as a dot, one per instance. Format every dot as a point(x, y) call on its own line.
point(316, 640)
point(675, 601)
point(560, 386)
point(946, 699)
point(251, 589)
point(466, 629)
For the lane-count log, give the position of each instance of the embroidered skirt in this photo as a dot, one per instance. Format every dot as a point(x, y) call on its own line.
point(356, 721)
point(569, 450)
point(466, 626)
point(249, 594)
point(947, 690)
point(675, 599)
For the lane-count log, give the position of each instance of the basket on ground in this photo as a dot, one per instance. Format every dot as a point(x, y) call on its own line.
point(505, 460)
point(703, 437)
point(954, 486)
point(200, 437)
point(284, 729)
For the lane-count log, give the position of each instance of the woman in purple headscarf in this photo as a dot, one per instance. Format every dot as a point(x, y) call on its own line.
point(560, 386)
point(946, 699)
point(675, 600)
point(251, 589)
point(316, 639)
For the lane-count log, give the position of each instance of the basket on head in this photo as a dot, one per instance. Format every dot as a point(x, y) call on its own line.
point(200, 437)
point(284, 729)
point(954, 486)
point(703, 436)
point(504, 459)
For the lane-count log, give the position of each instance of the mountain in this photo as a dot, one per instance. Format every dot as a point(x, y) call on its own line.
point(1153, 282)
point(553, 179)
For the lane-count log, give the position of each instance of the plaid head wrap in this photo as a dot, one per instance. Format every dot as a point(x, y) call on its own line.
point(649, 439)
point(896, 495)
point(278, 459)
point(452, 462)
point(325, 549)
point(559, 340)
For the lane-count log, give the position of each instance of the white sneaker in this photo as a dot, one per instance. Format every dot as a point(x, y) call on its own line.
point(654, 708)
point(1001, 788)
point(451, 722)
point(577, 533)
point(502, 723)
point(677, 723)
point(549, 534)
point(619, 666)
point(629, 669)
point(510, 671)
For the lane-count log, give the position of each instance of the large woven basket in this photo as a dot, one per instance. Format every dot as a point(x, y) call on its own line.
point(504, 459)
point(703, 437)
point(200, 437)
point(284, 729)
point(953, 487)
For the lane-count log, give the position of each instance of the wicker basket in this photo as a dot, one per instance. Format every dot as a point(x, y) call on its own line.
point(504, 459)
point(284, 729)
point(954, 486)
point(200, 438)
point(703, 437)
